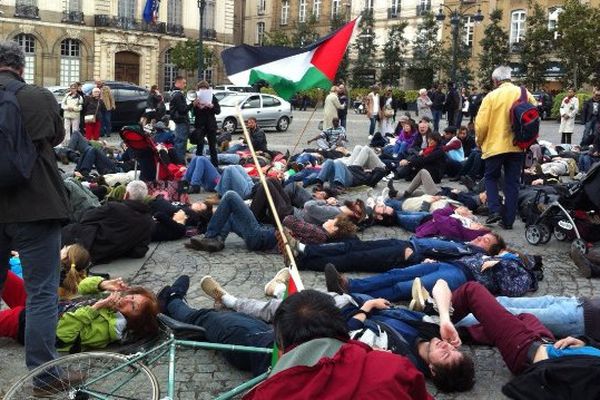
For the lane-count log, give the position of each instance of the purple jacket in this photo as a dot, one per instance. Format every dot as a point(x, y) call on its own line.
point(442, 224)
point(401, 137)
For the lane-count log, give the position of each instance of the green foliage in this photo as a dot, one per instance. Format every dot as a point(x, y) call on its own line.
point(366, 49)
point(494, 49)
point(411, 96)
point(393, 50)
point(185, 55)
point(428, 53)
point(581, 96)
point(305, 33)
point(277, 38)
point(578, 46)
point(397, 93)
point(535, 46)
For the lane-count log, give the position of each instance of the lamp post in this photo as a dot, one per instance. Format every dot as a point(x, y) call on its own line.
point(201, 7)
point(456, 16)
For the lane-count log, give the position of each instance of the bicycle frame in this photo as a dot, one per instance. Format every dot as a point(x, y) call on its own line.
point(169, 346)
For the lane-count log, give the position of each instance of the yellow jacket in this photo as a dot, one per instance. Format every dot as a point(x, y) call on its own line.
point(493, 133)
point(107, 98)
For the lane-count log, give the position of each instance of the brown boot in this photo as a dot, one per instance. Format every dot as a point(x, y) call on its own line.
point(594, 256)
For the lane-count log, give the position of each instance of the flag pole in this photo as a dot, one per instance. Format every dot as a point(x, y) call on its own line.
point(293, 268)
point(306, 125)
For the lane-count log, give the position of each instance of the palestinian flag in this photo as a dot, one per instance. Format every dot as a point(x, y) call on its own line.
point(289, 70)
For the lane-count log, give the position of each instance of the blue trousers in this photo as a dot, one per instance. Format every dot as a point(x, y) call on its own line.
point(182, 133)
point(335, 171)
point(396, 284)
point(94, 157)
point(235, 178)
point(106, 127)
point(38, 244)
point(437, 116)
point(512, 163)
point(372, 125)
point(201, 172)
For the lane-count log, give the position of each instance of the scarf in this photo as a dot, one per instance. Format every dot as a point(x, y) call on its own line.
point(428, 150)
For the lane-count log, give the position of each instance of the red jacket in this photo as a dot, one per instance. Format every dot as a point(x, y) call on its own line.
point(355, 372)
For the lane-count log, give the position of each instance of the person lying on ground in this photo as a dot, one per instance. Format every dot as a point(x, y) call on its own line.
point(455, 223)
point(341, 175)
point(383, 254)
point(318, 211)
point(507, 274)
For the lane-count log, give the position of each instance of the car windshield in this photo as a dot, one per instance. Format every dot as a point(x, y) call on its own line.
point(231, 100)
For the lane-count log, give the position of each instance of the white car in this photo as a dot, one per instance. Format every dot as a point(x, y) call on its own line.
point(270, 111)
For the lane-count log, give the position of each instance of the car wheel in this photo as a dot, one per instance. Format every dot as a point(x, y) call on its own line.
point(282, 124)
point(229, 125)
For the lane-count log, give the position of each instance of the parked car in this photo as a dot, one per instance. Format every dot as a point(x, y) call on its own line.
point(270, 111)
point(233, 88)
point(130, 102)
point(59, 92)
point(544, 106)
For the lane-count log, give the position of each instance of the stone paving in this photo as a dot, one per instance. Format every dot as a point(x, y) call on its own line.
point(203, 374)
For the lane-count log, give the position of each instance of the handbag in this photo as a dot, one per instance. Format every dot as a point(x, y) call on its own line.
point(91, 119)
point(388, 112)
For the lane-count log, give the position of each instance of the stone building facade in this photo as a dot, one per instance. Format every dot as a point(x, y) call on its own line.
point(77, 40)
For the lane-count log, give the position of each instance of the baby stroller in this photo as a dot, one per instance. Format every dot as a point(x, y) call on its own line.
point(574, 216)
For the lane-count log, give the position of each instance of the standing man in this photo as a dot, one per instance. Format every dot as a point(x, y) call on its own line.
point(495, 138)
point(453, 104)
point(373, 109)
point(31, 213)
point(205, 122)
point(330, 107)
point(343, 98)
point(438, 98)
point(591, 116)
point(179, 108)
point(474, 103)
point(109, 103)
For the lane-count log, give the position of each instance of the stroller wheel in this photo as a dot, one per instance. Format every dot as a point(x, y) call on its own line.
point(580, 245)
point(546, 233)
point(561, 235)
point(534, 234)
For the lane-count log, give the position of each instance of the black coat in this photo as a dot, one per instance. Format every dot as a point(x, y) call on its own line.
point(259, 139)
point(93, 106)
point(433, 162)
point(178, 107)
point(588, 111)
point(43, 197)
point(116, 229)
point(205, 117)
point(438, 98)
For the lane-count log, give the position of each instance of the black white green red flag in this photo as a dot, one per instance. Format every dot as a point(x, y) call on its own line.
point(289, 70)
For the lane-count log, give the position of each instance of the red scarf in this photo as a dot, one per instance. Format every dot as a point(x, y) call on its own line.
point(428, 150)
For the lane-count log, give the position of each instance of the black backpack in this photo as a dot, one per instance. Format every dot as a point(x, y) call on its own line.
point(17, 152)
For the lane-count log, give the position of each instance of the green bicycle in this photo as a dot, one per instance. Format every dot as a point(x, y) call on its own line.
point(104, 375)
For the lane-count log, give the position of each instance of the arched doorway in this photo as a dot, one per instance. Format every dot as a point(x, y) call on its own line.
point(127, 67)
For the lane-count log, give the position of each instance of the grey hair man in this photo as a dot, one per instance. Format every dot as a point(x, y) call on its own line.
point(31, 213)
point(136, 190)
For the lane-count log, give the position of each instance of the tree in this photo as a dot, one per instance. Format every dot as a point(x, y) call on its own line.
point(393, 61)
point(577, 46)
point(535, 46)
point(494, 49)
point(185, 55)
point(305, 33)
point(363, 73)
point(277, 38)
point(428, 53)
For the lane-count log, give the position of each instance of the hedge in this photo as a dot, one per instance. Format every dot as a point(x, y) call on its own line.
point(582, 97)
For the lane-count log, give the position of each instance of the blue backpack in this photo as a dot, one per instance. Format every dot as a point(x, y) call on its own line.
point(17, 152)
point(525, 121)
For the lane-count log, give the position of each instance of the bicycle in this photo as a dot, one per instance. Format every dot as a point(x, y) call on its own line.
point(118, 376)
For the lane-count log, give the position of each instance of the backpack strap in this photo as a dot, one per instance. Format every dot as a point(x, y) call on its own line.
point(523, 97)
point(14, 85)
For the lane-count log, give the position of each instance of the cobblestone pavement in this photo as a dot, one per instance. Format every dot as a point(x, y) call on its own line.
point(203, 374)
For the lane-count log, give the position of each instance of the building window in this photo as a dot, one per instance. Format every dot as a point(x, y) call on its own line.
point(261, 6)
point(27, 43)
point(170, 71)
point(127, 9)
point(468, 31)
point(369, 5)
point(517, 26)
point(316, 9)
point(395, 9)
point(260, 33)
point(336, 8)
point(174, 11)
point(73, 5)
point(70, 61)
point(207, 74)
point(209, 15)
point(285, 12)
point(302, 11)
point(553, 15)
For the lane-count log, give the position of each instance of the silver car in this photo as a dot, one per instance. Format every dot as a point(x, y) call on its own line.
point(270, 111)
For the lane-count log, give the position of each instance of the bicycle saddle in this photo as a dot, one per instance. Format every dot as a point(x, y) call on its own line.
point(180, 327)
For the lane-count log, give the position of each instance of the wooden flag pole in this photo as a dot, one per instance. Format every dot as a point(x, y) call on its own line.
point(279, 226)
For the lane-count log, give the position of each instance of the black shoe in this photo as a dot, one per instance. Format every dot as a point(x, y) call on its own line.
point(178, 290)
point(468, 182)
point(393, 193)
point(493, 218)
point(583, 264)
point(181, 285)
point(211, 245)
point(194, 189)
point(505, 226)
point(334, 281)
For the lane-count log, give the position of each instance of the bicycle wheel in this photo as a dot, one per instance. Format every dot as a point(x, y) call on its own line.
point(79, 374)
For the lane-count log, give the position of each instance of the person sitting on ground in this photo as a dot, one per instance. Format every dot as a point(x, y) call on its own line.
point(467, 139)
point(432, 158)
point(257, 136)
point(455, 154)
point(406, 138)
point(331, 138)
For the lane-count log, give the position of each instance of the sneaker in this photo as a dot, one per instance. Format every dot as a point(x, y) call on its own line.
point(370, 137)
point(54, 384)
point(211, 245)
point(334, 281)
point(283, 276)
point(582, 263)
point(212, 289)
point(493, 218)
point(178, 290)
point(390, 185)
point(419, 296)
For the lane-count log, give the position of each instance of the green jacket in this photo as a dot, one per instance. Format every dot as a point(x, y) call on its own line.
point(91, 328)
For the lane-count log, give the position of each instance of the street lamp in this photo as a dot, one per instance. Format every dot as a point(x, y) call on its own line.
point(456, 16)
point(201, 7)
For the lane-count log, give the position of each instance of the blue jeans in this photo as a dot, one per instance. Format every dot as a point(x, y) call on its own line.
point(233, 215)
point(432, 247)
point(562, 315)
point(106, 127)
point(372, 125)
point(38, 244)
point(586, 161)
point(474, 165)
point(437, 116)
point(512, 163)
point(236, 147)
point(94, 157)
point(229, 328)
point(201, 172)
point(237, 179)
point(304, 158)
point(400, 148)
point(182, 132)
point(408, 220)
point(396, 284)
point(335, 171)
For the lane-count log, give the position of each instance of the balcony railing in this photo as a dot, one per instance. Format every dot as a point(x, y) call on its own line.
point(423, 8)
point(175, 29)
point(260, 10)
point(130, 24)
point(393, 12)
point(209, 34)
point(27, 11)
point(516, 47)
point(73, 17)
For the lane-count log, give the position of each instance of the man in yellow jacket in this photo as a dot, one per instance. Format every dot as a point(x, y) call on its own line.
point(495, 138)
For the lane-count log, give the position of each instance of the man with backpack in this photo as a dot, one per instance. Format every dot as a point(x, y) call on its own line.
point(33, 200)
point(179, 114)
point(501, 145)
